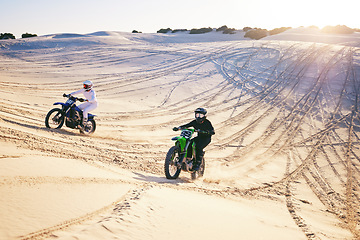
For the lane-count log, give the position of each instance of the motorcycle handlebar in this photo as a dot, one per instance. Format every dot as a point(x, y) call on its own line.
point(196, 130)
point(69, 95)
point(178, 128)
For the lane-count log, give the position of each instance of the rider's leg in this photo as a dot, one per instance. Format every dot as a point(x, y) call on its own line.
point(86, 108)
point(201, 143)
point(82, 107)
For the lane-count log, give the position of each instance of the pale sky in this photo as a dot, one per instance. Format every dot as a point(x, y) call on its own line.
point(44, 17)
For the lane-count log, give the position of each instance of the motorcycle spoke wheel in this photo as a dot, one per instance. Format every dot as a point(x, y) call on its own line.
point(171, 167)
point(89, 127)
point(54, 118)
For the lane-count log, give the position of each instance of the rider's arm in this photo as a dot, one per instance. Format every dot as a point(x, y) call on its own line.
point(211, 130)
point(207, 132)
point(77, 92)
point(190, 124)
point(92, 98)
point(206, 128)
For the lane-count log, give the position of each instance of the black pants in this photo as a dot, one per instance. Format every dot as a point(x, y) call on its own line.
point(200, 143)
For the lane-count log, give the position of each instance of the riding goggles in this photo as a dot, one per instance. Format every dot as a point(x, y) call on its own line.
point(199, 115)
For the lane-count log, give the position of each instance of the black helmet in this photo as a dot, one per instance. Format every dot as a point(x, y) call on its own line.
point(200, 114)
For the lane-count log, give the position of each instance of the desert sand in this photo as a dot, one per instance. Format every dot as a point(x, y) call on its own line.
point(284, 162)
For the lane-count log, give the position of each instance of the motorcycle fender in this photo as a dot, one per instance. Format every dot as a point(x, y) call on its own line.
point(58, 103)
point(181, 141)
point(91, 116)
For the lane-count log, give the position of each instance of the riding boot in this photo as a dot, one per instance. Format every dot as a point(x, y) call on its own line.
point(83, 123)
point(198, 161)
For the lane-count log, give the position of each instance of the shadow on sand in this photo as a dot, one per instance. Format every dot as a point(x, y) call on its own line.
point(157, 179)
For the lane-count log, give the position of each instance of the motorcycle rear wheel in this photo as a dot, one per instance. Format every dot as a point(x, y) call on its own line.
point(171, 167)
point(55, 118)
point(89, 127)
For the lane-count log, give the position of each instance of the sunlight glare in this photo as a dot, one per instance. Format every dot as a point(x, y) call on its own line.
point(321, 13)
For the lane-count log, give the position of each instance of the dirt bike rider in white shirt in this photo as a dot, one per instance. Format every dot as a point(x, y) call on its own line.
point(90, 101)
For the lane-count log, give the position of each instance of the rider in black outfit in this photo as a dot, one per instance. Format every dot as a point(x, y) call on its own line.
point(205, 131)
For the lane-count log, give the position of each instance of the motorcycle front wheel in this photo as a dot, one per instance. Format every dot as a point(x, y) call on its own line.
point(171, 167)
point(55, 118)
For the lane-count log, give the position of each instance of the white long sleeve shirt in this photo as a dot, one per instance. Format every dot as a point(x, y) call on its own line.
point(89, 95)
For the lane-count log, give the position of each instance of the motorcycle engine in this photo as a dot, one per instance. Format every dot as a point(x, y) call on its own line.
point(76, 116)
point(74, 119)
point(187, 165)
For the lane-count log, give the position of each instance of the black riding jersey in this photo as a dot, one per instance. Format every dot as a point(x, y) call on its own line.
point(206, 128)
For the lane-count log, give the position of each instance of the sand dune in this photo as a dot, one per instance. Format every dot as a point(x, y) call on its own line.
point(284, 162)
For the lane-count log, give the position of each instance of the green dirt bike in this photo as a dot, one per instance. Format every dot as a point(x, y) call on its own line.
point(177, 160)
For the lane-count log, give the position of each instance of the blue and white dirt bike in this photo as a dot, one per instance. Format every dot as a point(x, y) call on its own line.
point(71, 115)
point(177, 160)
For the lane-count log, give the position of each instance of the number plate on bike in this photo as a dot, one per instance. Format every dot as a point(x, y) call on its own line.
point(69, 101)
point(186, 134)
